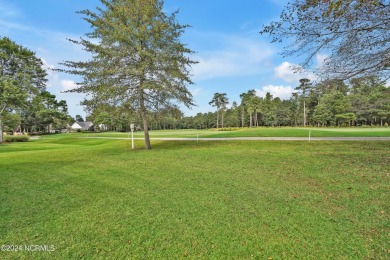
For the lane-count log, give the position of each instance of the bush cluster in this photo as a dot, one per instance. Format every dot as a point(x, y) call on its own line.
point(229, 129)
point(16, 138)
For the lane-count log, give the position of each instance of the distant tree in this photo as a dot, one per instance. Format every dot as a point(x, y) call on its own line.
point(269, 109)
point(354, 33)
point(247, 105)
point(79, 118)
point(137, 57)
point(370, 99)
point(283, 113)
point(323, 112)
point(11, 121)
point(200, 121)
point(105, 118)
point(21, 77)
point(223, 110)
point(294, 108)
point(42, 112)
point(256, 103)
point(50, 112)
point(329, 85)
point(250, 109)
point(220, 101)
point(304, 88)
point(169, 116)
point(380, 104)
point(233, 115)
point(333, 109)
point(345, 119)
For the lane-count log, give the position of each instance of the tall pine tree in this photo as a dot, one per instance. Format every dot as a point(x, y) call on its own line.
point(137, 58)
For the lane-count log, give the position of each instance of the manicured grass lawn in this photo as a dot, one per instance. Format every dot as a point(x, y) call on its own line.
point(261, 132)
point(304, 132)
point(95, 198)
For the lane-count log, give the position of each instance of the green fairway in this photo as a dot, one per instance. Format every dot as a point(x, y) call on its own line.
point(259, 132)
point(96, 198)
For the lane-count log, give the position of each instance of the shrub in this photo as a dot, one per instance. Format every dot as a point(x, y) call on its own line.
point(16, 138)
point(386, 125)
point(229, 129)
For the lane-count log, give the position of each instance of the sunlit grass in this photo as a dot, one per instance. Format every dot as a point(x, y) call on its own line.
point(257, 132)
point(96, 198)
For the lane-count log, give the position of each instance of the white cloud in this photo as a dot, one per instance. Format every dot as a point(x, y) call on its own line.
point(52, 76)
point(6, 25)
point(286, 72)
point(247, 24)
point(68, 85)
point(239, 57)
point(7, 10)
point(320, 58)
point(195, 91)
point(283, 92)
point(50, 41)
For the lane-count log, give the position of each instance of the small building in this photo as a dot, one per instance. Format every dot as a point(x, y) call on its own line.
point(82, 126)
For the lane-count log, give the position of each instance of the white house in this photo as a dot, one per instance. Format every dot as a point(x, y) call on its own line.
point(82, 126)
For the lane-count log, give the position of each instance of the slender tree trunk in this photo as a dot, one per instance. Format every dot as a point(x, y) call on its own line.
point(250, 119)
point(304, 113)
point(222, 118)
point(145, 120)
point(256, 121)
point(217, 119)
point(1, 130)
point(295, 121)
point(243, 117)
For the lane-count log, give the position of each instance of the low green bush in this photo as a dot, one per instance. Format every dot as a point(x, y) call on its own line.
point(229, 129)
point(16, 138)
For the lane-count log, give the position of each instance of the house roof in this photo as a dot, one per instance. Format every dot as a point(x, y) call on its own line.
point(82, 125)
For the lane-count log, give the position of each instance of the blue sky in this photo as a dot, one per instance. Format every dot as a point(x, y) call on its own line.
point(233, 57)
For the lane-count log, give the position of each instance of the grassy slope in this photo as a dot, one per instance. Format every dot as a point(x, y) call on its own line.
point(96, 198)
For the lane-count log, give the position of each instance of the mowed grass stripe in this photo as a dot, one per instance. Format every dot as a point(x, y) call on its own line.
point(96, 198)
point(256, 132)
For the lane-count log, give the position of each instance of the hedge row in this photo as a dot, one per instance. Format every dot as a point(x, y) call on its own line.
point(16, 138)
point(228, 129)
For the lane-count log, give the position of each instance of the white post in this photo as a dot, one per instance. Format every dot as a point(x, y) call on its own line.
point(309, 135)
point(132, 139)
point(132, 136)
point(197, 137)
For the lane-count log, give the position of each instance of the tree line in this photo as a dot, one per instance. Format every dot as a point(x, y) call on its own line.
point(25, 104)
point(362, 101)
